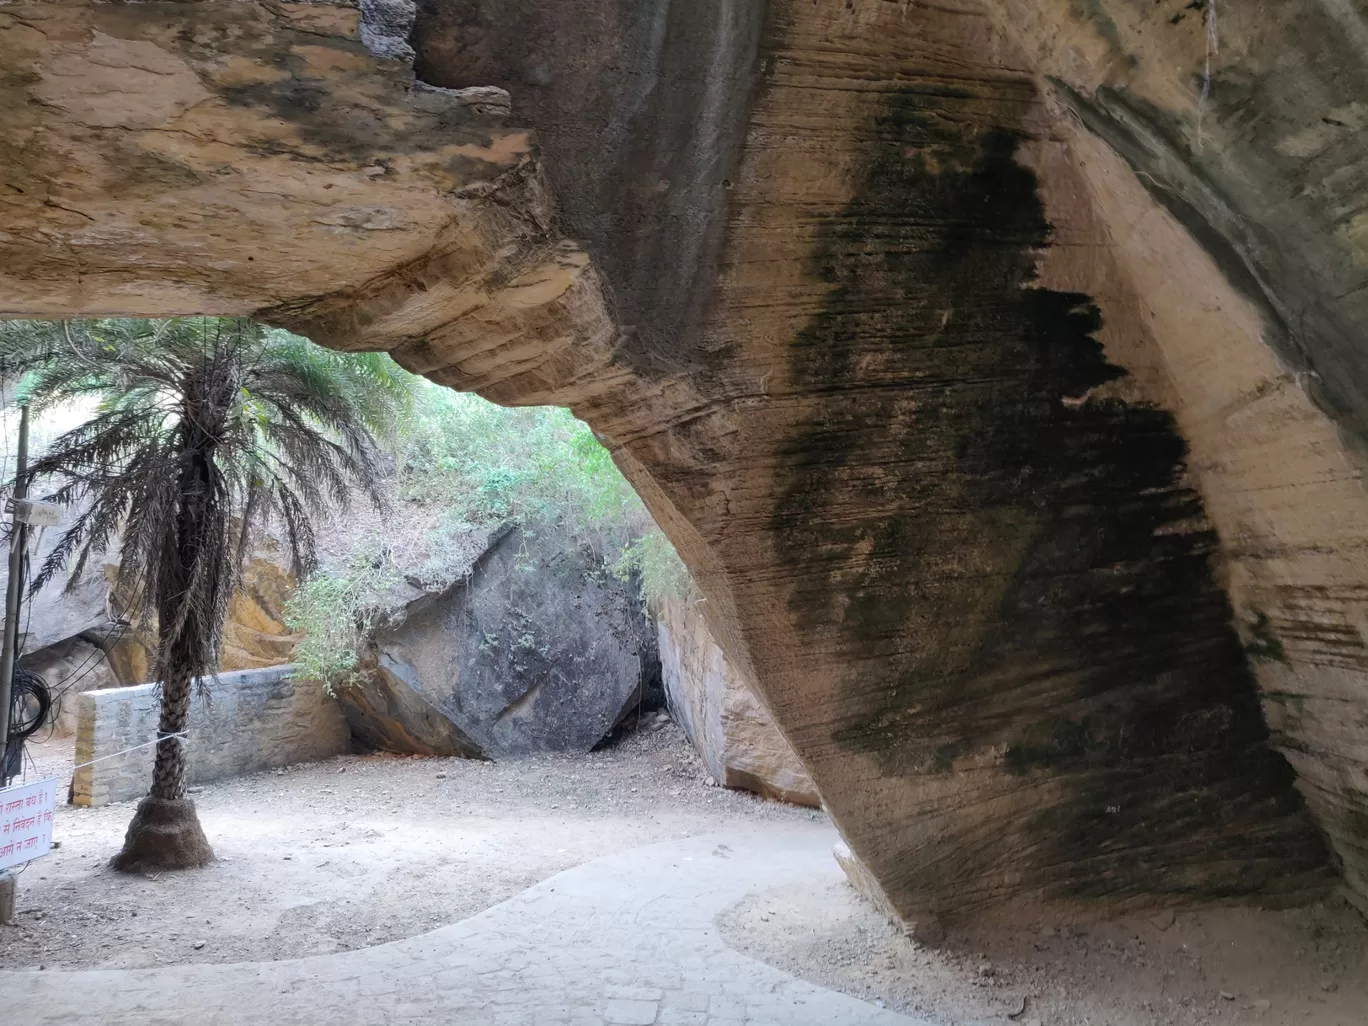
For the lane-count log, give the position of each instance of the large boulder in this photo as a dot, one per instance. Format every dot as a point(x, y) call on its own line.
point(731, 728)
point(538, 649)
point(389, 710)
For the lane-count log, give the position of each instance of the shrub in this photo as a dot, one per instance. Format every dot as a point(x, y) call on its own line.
point(465, 467)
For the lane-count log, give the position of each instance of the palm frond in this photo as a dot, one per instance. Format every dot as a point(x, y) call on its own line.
point(205, 429)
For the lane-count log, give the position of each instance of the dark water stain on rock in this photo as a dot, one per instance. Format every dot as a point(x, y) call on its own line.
point(1013, 566)
point(1263, 643)
point(641, 109)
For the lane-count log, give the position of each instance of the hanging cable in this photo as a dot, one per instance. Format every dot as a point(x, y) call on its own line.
point(30, 704)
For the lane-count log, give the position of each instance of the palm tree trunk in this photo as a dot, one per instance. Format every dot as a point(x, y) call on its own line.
point(168, 774)
point(165, 832)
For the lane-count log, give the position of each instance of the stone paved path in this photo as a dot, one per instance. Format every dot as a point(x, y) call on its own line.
point(626, 940)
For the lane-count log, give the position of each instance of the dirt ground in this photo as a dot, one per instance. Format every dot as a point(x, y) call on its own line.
point(355, 852)
point(362, 850)
point(1307, 967)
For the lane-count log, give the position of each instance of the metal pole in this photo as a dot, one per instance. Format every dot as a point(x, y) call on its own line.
point(13, 595)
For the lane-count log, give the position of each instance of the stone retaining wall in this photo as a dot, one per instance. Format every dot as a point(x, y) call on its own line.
point(252, 720)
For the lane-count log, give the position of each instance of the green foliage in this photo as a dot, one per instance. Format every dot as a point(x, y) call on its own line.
point(657, 565)
point(485, 463)
point(377, 391)
point(465, 467)
point(337, 608)
point(326, 610)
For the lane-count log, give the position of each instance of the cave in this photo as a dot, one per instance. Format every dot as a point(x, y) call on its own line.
point(996, 368)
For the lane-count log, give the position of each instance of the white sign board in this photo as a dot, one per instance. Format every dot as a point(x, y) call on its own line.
point(26, 822)
point(37, 514)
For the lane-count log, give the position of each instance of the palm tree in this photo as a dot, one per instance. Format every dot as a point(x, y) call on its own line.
point(204, 430)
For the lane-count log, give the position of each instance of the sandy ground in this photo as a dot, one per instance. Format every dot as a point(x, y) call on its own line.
point(362, 850)
point(1307, 967)
point(354, 852)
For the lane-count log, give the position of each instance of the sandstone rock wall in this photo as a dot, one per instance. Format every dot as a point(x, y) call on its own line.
point(255, 635)
point(959, 540)
point(78, 640)
point(1229, 208)
point(1003, 400)
point(733, 732)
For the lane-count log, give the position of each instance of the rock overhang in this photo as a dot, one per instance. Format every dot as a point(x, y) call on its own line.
point(689, 215)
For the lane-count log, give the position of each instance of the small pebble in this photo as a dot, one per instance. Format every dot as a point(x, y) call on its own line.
point(1227, 996)
point(198, 945)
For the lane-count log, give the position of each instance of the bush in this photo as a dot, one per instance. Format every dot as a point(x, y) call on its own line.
point(536, 464)
point(465, 467)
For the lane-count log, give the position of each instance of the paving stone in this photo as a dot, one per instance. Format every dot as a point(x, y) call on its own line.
point(631, 1013)
point(678, 1017)
point(634, 993)
point(580, 949)
point(687, 1000)
point(726, 1006)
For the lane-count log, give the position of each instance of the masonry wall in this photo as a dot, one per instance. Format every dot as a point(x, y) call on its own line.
point(251, 720)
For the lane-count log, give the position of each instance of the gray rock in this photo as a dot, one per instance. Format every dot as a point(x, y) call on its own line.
point(57, 614)
point(391, 712)
point(385, 27)
point(540, 649)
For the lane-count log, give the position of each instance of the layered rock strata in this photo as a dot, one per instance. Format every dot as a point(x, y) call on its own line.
point(998, 389)
point(728, 725)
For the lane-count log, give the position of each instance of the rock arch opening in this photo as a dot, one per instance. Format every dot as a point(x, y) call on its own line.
point(821, 276)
